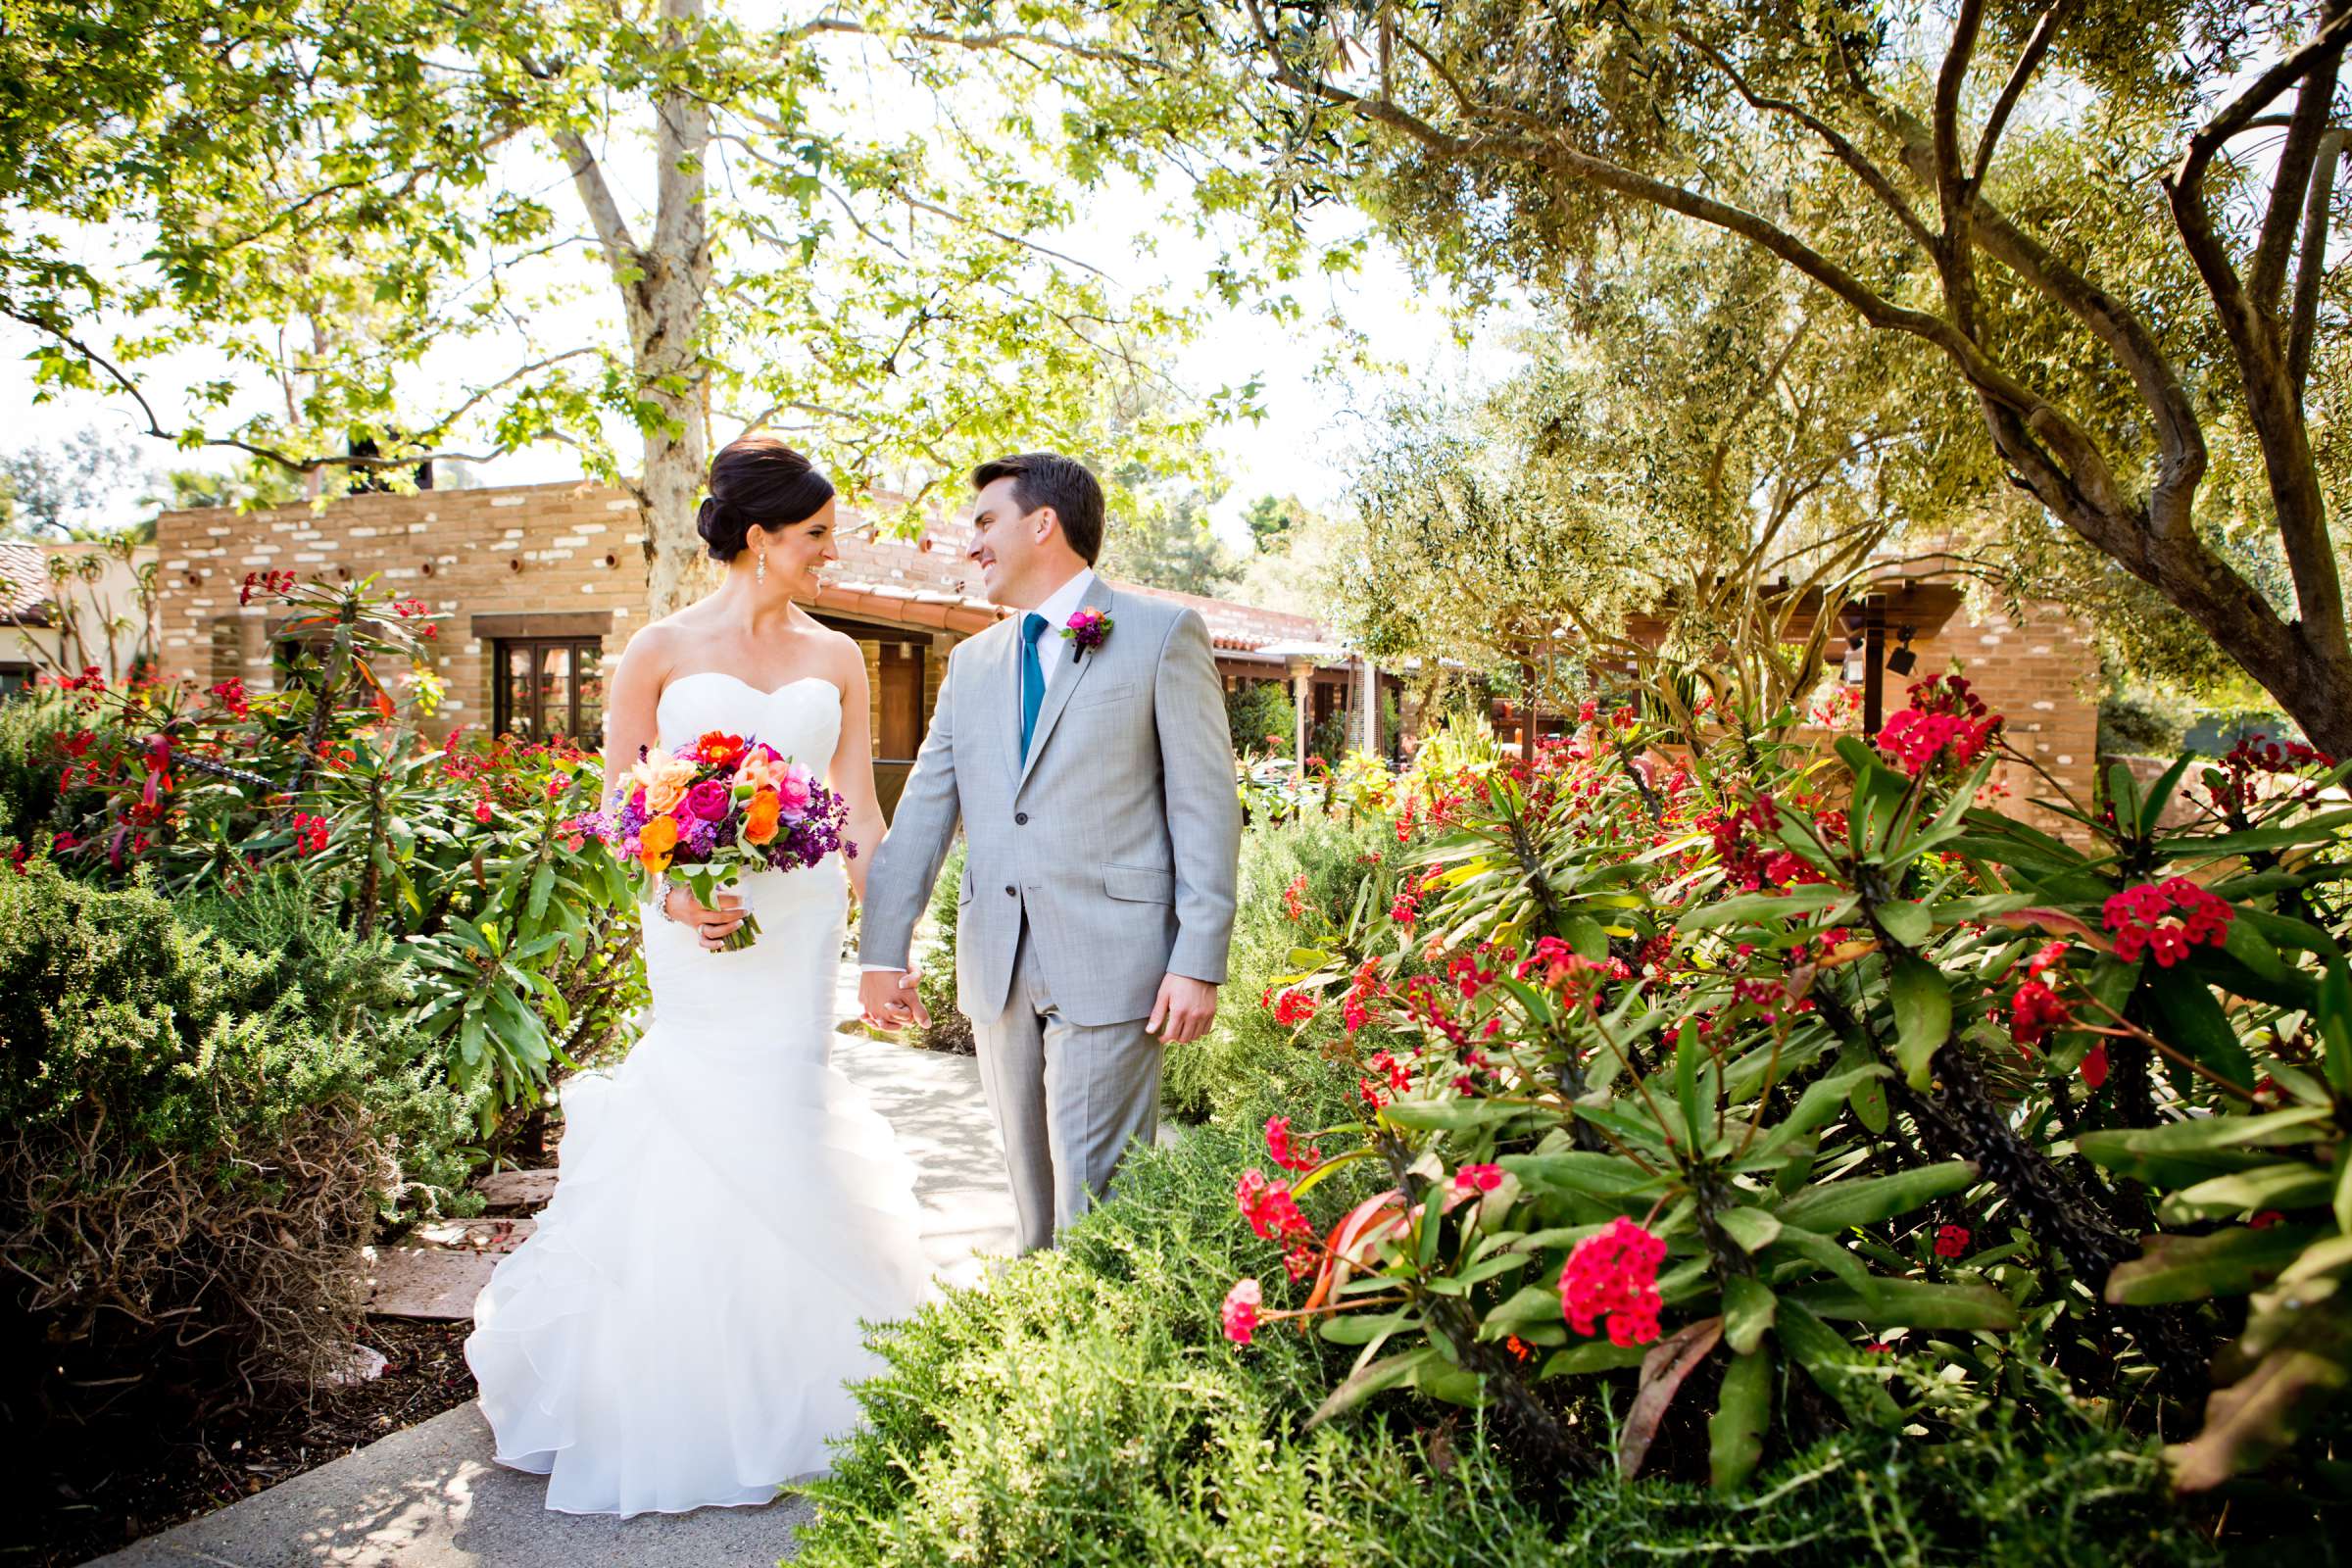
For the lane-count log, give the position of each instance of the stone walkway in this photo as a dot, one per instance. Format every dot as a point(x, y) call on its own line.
point(430, 1496)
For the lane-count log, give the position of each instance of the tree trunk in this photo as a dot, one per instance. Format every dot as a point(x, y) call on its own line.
point(663, 287)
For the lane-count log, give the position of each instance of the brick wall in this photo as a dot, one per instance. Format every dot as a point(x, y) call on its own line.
point(567, 550)
point(2041, 671)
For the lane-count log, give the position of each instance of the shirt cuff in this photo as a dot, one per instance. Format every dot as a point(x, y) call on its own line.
point(881, 968)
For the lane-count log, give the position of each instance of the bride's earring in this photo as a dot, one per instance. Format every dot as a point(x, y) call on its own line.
point(760, 575)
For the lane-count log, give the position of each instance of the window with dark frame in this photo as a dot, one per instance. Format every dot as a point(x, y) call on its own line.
point(543, 687)
point(15, 680)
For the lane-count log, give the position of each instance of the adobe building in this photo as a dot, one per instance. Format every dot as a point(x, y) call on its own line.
point(540, 586)
point(70, 606)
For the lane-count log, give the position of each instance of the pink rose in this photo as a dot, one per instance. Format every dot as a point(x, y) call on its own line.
point(709, 800)
point(796, 787)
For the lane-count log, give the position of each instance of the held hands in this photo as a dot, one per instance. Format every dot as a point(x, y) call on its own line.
point(711, 927)
point(888, 999)
point(1182, 1011)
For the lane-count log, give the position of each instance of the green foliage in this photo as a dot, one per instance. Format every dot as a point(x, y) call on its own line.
point(1257, 710)
point(1168, 544)
point(525, 945)
point(205, 1115)
point(948, 1030)
point(1249, 1057)
point(1823, 1059)
point(1080, 1410)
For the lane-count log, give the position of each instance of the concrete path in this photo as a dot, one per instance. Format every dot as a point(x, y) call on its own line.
point(430, 1496)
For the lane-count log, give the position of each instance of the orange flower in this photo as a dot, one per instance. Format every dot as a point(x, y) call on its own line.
point(720, 748)
point(761, 815)
point(655, 842)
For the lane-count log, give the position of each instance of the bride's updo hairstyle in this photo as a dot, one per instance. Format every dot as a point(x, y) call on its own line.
point(758, 482)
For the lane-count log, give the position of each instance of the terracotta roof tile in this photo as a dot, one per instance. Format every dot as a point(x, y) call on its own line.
point(23, 584)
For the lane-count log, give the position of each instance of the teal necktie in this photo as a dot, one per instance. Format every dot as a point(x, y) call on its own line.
point(1033, 679)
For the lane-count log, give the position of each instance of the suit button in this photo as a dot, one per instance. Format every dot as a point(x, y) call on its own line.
point(1020, 819)
point(1010, 891)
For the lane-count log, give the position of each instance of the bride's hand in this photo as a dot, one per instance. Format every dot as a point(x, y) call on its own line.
point(711, 927)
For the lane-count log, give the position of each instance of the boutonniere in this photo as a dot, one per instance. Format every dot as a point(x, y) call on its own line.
point(1086, 631)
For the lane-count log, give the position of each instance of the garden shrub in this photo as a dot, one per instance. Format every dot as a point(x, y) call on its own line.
point(1081, 1410)
point(948, 1030)
point(468, 850)
point(1250, 1052)
point(204, 1117)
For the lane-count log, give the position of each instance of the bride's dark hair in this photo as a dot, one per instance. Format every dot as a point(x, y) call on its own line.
point(758, 482)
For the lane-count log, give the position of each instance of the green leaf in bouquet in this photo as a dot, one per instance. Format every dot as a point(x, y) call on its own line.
point(1922, 1015)
point(1833, 1206)
point(2191, 1268)
point(1447, 1115)
point(1748, 1305)
point(1736, 1431)
point(2259, 1414)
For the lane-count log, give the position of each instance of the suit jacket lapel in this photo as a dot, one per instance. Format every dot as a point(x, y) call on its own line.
point(1006, 706)
point(1058, 692)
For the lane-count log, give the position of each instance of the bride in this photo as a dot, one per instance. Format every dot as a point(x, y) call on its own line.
point(678, 1329)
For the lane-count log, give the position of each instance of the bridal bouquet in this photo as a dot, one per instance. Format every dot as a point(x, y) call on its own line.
point(718, 807)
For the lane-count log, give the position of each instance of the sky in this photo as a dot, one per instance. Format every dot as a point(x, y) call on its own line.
point(1300, 447)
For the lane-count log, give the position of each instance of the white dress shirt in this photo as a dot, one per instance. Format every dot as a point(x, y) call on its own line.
point(1052, 648)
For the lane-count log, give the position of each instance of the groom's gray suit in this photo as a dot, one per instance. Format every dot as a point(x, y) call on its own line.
point(1103, 863)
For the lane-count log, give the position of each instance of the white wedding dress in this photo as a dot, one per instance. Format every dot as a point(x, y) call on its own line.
point(679, 1329)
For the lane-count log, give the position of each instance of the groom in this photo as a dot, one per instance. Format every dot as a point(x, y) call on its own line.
point(1095, 789)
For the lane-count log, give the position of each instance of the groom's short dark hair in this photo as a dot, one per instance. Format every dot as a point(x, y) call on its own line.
point(1049, 479)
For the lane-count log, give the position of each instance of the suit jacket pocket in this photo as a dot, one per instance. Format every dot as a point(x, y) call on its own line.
point(963, 889)
point(1140, 884)
point(1092, 696)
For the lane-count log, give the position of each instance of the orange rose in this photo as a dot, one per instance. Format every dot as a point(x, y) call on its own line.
point(761, 815)
point(655, 842)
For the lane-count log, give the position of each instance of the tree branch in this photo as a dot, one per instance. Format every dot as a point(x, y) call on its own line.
point(2312, 266)
point(1843, 149)
point(2045, 30)
point(2265, 278)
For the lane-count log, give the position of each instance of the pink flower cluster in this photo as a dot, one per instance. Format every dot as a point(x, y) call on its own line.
point(1273, 1214)
point(2035, 1012)
point(1240, 1312)
point(1284, 1152)
point(1947, 722)
point(2142, 920)
point(1614, 1275)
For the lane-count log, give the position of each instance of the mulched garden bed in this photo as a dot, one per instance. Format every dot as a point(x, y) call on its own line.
point(85, 1510)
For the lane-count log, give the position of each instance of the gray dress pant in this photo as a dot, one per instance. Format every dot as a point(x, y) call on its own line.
point(1067, 1098)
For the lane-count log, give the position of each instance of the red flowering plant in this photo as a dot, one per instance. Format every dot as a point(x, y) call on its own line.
point(1606, 1142)
point(454, 846)
point(1768, 1057)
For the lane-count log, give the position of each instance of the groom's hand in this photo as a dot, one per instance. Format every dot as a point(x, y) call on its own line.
point(1183, 1011)
point(888, 999)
